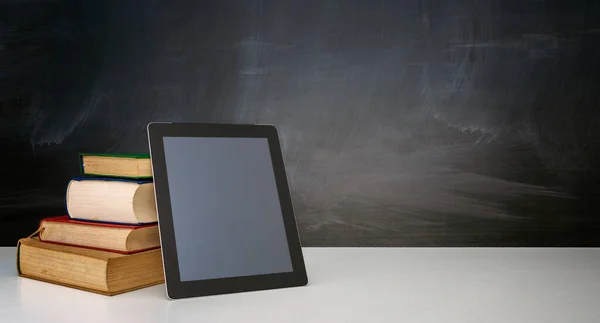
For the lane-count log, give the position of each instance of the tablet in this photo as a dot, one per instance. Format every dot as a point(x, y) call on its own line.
point(225, 214)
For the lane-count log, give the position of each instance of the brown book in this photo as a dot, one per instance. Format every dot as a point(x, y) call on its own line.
point(111, 200)
point(123, 165)
point(111, 237)
point(92, 270)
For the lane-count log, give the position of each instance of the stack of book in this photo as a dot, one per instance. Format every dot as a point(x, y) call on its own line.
point(109, 242)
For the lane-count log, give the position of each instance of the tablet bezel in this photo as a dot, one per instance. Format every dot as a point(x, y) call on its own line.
point(182, 289)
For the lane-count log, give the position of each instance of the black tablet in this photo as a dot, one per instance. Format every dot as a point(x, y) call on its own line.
point(225, 214)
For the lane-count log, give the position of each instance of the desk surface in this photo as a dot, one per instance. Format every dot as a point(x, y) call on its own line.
point(352, 285)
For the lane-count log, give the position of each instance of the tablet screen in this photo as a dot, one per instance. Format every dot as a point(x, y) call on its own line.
point(226, 212)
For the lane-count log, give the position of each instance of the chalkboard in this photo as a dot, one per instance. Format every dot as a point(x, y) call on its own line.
point(403, 123)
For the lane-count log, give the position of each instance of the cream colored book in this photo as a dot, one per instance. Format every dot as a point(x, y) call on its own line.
point(111, 200)
point(123, 165)
point(97, 271)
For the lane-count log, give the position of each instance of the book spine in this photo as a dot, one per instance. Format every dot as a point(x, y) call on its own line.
point(45, 265)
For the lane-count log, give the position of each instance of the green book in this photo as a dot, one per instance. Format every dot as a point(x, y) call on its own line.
point(116, 165)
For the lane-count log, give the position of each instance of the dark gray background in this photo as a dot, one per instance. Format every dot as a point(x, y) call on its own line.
point(226, 212)
point(403, 123)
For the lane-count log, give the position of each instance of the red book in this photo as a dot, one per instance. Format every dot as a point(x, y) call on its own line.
point(120, 238)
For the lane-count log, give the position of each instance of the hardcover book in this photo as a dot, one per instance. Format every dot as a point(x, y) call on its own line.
point(103, 236)
point(111, 200)
point(96, 271)
point(116, 165)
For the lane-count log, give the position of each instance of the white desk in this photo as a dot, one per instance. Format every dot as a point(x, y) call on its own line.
point(352, 285)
